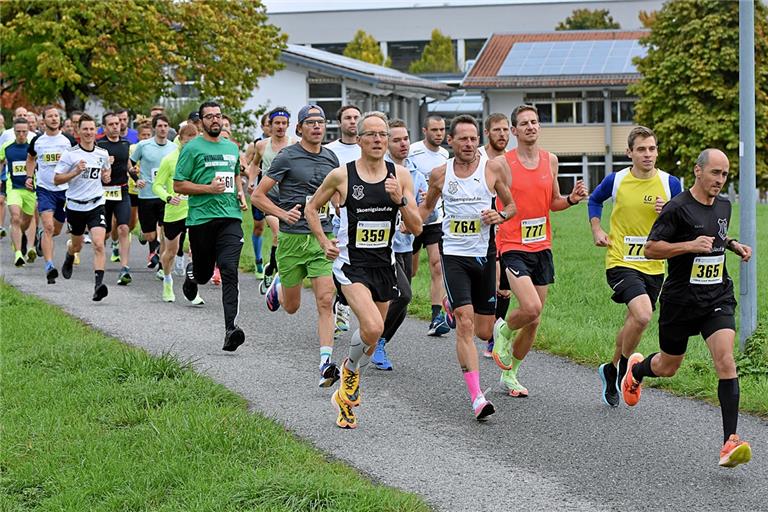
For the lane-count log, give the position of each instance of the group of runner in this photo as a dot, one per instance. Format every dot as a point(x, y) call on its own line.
point(351, 217)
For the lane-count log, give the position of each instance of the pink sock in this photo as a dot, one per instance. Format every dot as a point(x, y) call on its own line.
point(473, 383)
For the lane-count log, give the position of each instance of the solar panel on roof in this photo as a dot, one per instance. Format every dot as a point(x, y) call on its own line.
point(571, 58)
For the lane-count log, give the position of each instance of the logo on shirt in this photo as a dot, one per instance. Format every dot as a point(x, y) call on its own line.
point(357, 192)
point(723, 223)
point(453, 187)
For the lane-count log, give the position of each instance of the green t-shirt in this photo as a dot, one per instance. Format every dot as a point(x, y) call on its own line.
point(163, 188)
point(200, 161)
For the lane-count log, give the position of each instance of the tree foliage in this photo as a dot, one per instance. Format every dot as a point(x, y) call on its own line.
point(365, 47)
point(133, 51)
point(586, 19)
point(438, 56)
point(689, 90)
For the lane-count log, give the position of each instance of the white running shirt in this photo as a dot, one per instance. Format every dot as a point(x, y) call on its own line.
point(86, 186)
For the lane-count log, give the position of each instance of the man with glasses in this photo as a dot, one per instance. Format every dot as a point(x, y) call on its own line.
point(207, 171)
point(299, 169)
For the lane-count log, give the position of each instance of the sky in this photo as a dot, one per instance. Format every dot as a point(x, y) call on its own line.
point(281, 6)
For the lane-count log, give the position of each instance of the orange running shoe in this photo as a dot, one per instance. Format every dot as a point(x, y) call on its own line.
point(735, 452)
point(630, 388)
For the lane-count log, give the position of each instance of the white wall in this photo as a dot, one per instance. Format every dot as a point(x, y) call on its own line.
point(287, 88)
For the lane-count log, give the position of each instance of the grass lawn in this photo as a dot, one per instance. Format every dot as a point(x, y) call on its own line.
point(92, 424)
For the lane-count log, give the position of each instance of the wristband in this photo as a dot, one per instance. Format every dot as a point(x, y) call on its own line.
point(568, 199)
point(729, 242)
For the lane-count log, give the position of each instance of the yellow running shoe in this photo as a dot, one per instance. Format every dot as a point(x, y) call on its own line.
point(346, 417)
point(502, 347)
point(349, 390)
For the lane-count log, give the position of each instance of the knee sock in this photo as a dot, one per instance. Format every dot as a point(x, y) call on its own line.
point(728, 394)
point(502, 304)
point(182, 237)
point(99, 277)
point(643, 369)
point(472, 379)
point(153, 246)
point(357, 359)
point(272, 253)
point(622, 366)
point(256, 240)
point(325, 355)
point(436, 308)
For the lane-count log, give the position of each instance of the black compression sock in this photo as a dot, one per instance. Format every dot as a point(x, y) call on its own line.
point(436, 310)
point(728, 394)
point(99, 277)
point(643, 369)
point(502, 305)
point(153, 246)
point(622, 366)
point(272, 253)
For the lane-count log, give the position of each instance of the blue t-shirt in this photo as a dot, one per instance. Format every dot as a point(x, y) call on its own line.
point(148, 154)
point(16, 164)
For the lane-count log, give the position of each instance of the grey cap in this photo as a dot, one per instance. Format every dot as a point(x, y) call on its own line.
point(304, 113)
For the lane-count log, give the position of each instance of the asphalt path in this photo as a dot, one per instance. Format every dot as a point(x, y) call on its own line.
point(559, 449)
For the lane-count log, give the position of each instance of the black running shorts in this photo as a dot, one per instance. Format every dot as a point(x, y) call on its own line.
point(678, 322)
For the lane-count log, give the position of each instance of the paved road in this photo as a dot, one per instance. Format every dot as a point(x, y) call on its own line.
point(560, 449)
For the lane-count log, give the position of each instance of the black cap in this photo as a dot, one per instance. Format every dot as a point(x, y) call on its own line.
point(193, 116)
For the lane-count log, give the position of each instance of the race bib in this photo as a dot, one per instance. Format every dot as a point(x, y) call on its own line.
point(229, 180)
point(323, 211)
point(19, 168)
point(633, 248)
point(533, 230)
point(372, 234)
point(91, 173)
point(113, 193)
point(708, 269)
point(51, 158)
point(464, 226)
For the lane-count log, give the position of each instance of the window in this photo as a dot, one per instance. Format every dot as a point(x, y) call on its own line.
point(472, 48)
point(337, 48)
point(403, 53)
point(325, 91)
point(545, 112)
point(623, 111)
point(568, 112)
point(595, 112)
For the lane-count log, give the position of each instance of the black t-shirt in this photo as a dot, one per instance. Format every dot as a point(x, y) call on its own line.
point(695, 279)
point(120, 151)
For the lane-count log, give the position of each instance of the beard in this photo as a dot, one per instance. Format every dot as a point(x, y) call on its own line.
point(212, 131)
point(498, 145)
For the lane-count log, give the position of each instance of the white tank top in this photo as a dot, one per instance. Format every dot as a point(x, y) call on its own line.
point(464, 233)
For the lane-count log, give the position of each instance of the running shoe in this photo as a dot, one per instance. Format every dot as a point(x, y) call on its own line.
point(198, 301)
point(115, 253)
point(630, 388)
point(439, 326)
point(349, 390)
point(142, 240)
point(488, 352)
point(19, 259)
point(31, 255)
point(100, 292)
point(342, 316)
point(216, 279)
point(259, 272)
point(153, 260)
point(610, 392)
point(3, 233)
point(449, 318)
point(379, 357)
point(329, 374)
point(87, 239)
point(346, 415)
point(51, 275)
point(735, 452)
point(513, 387)
point(502, 347)
point(272, 298)
point(77, 259)
point(233, 339)
point(168, 295)
point(160, 274)
point(482, 407)
point(189, 288)
point(270, 269)
point(66, 268)
point(178, 265)
point(124, 278)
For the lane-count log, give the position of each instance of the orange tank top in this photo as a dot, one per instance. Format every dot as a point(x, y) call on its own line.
point(529, 230)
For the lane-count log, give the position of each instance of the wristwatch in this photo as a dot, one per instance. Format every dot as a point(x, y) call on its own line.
point(503, 215)
point(403, 202)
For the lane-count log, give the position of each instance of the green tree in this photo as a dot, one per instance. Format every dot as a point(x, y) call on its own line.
point(586, 19)
point(438, 56)
point(689, 90)
point(133, 51)
point(365, 47)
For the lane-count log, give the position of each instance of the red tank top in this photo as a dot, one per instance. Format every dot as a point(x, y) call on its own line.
point(529, 230)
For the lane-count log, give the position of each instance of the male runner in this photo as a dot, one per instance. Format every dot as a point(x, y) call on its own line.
point(468, 184)
point(638, 192)
point(176, 209)
point(145, 132)
point(346, 150)
point(697, 298)
point(373, 194)
point(85, 168)
point(118, 205)
point(149, 153)
point(525, 242)
point(44, 153)
point(299, 169)
point(208, 172)
point(427, 155)
point(21, 202)
point(131, 135)
point(264, 152)
point(402, 245)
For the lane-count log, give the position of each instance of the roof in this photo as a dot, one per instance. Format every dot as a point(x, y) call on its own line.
point(557, 59)
point(379, 76)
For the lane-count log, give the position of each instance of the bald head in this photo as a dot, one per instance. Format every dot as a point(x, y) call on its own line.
point(712, 157)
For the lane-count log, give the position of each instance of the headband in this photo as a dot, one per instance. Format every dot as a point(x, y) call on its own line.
point(282, 113)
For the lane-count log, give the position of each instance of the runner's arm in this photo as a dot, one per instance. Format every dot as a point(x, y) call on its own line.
point(595, 208)
point(436, 179)
point(163, 173)
point(503, 192)
point(559, 202)
point(330, 186)
point(410, 212)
